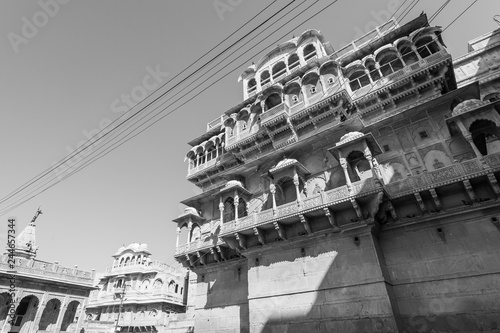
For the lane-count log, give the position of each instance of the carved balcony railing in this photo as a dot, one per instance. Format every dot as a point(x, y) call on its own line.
point(44, 270)
point(134, 294)
point(315, 202)
point(216, 122)
point(202, 167)
point(274, 114)
point(139, 267)
point(387, 81)
point(443, 176)
point(198, 245)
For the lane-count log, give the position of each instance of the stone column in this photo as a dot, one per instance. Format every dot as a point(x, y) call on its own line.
point(190, 227)
point(221, 209)
point(368, 155)
point(468, 137)
point(343, 164)
point(39, 312)
point(272, 189)
point(414, 49)
point(62, 312)
point(296, 182)
point(81, 317)
point(178, 231)
point(236, 204)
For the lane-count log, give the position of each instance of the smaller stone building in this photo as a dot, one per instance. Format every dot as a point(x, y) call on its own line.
point(47, 297)
point(136, 294)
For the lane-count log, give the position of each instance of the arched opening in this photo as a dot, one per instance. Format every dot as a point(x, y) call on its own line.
point(389, 62)
point(309, 52)
point(256, 110)
point(127, 261)
point(286, 191)
point(252, 86)
point(119, 283)
point(158, 284)
point(358, 79)
point(485, 136)
point(293, 62)
point(176, 288)
point(229, 209)
point(293, 94)
point(409, 56)
point(272, 100)
point(5, 299)
point(70, 316)
point(242, 208)
point(121, 262)
point(49, 316)
point(360, 166)
point(195, 233)
point(145, 284)
point(279, 69)
point(25, 313)
point(171, 286)
point(329, 72)
point(312, 84)
point(264, 78)
point(372, 69)
point(427, 46)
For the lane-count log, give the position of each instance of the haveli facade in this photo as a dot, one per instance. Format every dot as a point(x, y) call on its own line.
point(352, 190)
point(48, 297)
point(136, 294)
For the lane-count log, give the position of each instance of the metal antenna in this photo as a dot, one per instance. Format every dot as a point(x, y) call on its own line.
point(38, 212)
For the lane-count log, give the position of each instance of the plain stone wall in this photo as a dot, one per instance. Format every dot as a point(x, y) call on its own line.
point(222, 299)
point(324, 284)
point(450, 285)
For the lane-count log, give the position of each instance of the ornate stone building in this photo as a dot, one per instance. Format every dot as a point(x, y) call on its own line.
point(136, 294)
point(48, 297)
point(352, 190)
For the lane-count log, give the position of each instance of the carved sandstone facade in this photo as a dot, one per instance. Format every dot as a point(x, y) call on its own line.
point(351, 191)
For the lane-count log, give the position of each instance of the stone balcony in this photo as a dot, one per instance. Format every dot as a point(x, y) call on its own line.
point(275, 114)
point(197, 245)
point(100, 298)
point(153, 266)
point(47, 271)
point(315, 202)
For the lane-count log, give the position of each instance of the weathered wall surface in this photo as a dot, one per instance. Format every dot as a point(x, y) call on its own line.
point(450, 284)
point(222, 299)
point(325, 284)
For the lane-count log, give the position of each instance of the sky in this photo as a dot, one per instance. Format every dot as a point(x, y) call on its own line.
point(69, 68)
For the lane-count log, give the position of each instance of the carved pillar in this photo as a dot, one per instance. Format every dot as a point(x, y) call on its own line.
point(178, 231)
point(272, 189)
point(296, 182)
point(414, 49)
point(236, 204)
point(367, 72)
point(468, 137)
point(39, 312)
point(81, 316)
point(190, 227)
point(368, 155)
point(221, 208)
point(343, 164)
point(62, 312)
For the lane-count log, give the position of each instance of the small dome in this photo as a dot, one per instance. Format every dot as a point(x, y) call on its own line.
point(135, 247)
point(350, 136)
point(234, 183)
point(468, 105)
point(190, 210)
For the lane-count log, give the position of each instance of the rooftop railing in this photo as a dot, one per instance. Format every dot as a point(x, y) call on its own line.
point(139, 267)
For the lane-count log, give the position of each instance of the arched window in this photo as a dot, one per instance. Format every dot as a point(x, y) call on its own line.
point(229, 209)
point(252, 86)
point(145, 285)
point(264, 78)
point(127, 261)
point(389, 63)
point(485, 136)
point(358, 79)
point(309, 52)
point(279, 69)
point(293, 94)
point(409, 56)
point(195, 233)
point(293, 62)
point(426, 46)
point(171, 286)
point(372, 69)
point(272, 100)
point(158, 284)
point(360, 167)
point(242, 208)
point(176, 288)
point(119, 283)
point(329, 72)
point(121, 262)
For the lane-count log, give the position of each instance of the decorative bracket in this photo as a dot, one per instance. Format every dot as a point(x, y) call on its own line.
point(305, 222)
point(470, 190)
point(494, 184)
point(216, 255)
point(201, 257)
point(392, 211)
point(436, 199)
point(241, 240)
point(190, 260)
point(260, 235)
point(221, 252)
point(281, 231)
point(420, 202)
point(357, 209)
point(331, 218)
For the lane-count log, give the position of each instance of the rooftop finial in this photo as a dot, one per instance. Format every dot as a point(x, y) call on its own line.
point(38, 212)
